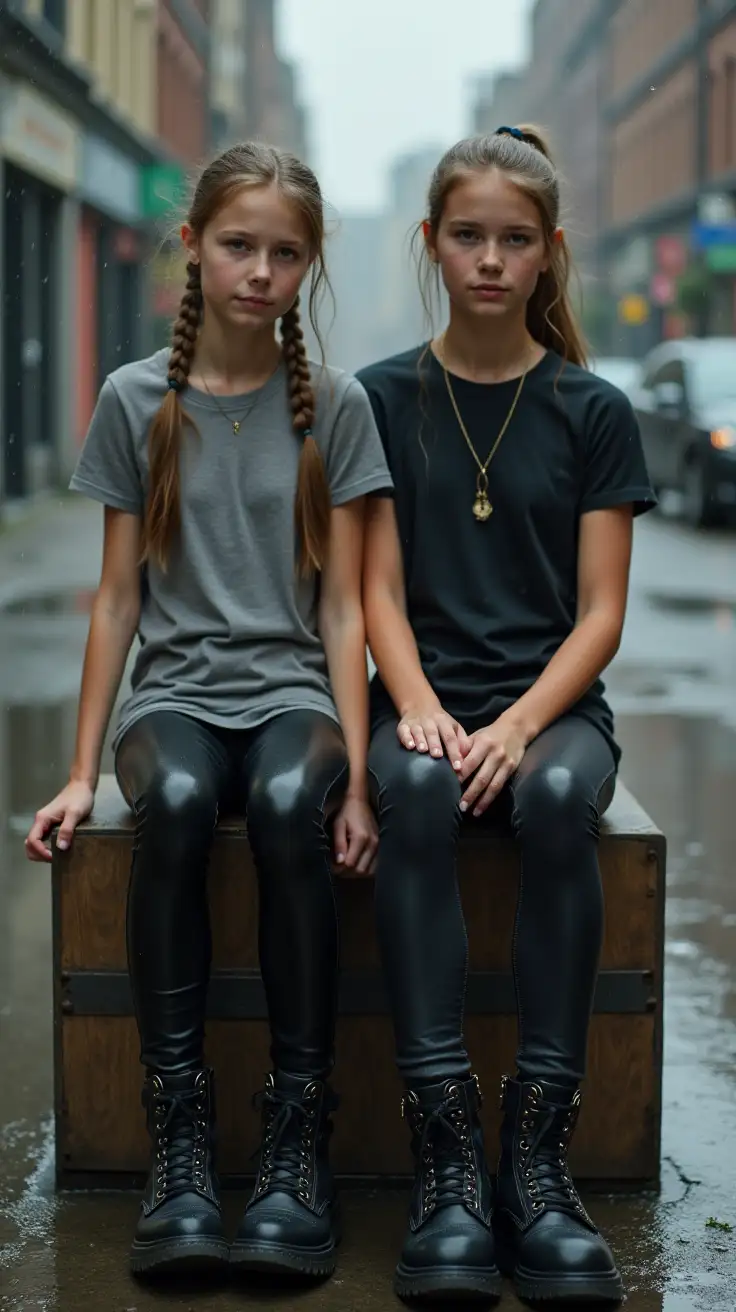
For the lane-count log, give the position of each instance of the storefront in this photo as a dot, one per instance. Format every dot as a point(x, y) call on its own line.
point(111, 261)
point(38, 171)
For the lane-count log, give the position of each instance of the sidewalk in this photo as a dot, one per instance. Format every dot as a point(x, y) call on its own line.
point(56, 547)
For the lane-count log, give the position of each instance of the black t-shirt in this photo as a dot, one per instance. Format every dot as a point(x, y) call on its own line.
point(490, 603)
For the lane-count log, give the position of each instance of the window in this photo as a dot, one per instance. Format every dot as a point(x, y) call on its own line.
point(54, 11)
point(730, 112)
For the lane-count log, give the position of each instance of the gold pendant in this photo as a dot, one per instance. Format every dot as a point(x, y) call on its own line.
point(482, 508)
point(236, 425)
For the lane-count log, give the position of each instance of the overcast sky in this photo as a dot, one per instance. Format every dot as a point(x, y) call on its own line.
point(380, 77)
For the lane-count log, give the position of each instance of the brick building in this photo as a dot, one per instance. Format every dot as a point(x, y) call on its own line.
point(561, 89)
point(273, 109)
point(640, 97)
point(671, 192)
point(181, 77)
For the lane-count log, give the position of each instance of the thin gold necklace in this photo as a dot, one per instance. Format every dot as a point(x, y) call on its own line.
point(236, 423)
point(482, 505)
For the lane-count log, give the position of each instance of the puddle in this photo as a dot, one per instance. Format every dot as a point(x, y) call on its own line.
point(77, 601)
point(721, 612)
point(69, 1253)
point(634, 679)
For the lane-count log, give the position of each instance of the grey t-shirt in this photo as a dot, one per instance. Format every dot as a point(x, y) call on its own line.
point(229, 633)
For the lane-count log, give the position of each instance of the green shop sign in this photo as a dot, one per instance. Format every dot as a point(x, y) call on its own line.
point(721, 259)
point(163, 189)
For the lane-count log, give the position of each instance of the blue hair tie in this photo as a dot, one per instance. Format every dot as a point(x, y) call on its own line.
point(307, 432)
point(173, 385)
point(510, 132)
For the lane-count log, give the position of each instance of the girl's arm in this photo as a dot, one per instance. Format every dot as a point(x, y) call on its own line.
point(604, 557)
point(113, 626)
point(342, 630)
point(423, 723)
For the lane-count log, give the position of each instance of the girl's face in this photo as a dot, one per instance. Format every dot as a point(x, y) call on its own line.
point(490, 246)
point(253, 256)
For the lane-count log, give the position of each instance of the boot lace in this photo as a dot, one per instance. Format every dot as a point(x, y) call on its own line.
point(288, 1138)
point(181, 1144)
point(545, 1138)
point(446, 1153)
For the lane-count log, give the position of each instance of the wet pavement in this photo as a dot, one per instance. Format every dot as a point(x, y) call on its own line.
point(674, 688)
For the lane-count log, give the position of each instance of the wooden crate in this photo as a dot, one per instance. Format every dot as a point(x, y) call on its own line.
point(100, 1134)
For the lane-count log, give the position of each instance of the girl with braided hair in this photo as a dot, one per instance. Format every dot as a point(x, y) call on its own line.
point(489, 641)
point(234, 477)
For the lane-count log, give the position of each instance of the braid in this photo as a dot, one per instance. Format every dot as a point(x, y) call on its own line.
point(186, 328)
point(313, 503)
point(301, 394)
point(163, 510)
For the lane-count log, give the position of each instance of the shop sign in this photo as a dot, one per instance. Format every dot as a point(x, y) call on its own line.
point(633, 309)
point(38, 136)
point(707, 235)
point(163, 188)
point(663, 290)
point(109, 180)
point(671, 254)
point(721, 259)
point(716, 208)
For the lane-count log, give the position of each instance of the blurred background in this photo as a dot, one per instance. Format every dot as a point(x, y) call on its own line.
point(107, 109)
point(108, 106)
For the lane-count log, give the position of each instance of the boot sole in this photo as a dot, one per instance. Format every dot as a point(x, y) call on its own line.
point(280, 1259)
point(440, 1283)
point(569, 1289)
point(178, 1256)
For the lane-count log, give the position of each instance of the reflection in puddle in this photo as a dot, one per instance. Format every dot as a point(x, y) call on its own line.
point(69, 1254)
point(721, 612)
point(77, 601)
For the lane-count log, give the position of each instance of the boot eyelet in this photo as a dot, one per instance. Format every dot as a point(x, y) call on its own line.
point(537, 1207)
point(524, 1145)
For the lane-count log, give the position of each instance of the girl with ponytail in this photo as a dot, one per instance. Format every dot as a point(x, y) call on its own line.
point(494, 591)
point(234, 475)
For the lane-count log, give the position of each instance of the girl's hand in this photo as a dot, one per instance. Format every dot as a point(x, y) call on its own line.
point(355, 837)
point(68, 808)
point(430, 729)
point(495, 754)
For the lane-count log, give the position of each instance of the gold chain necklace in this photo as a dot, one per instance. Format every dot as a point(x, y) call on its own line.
point(236, 423)
point(482, 506)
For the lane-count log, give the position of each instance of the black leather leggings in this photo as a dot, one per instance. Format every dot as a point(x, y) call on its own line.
point(289, 775)
point(553, 803)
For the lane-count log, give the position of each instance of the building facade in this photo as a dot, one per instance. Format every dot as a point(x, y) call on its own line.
point(274, 112)
point(640, 100)
point(671, 205)
point(561, 90)
point(76, 132)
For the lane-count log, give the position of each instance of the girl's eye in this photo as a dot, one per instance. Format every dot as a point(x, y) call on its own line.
point(519, 239)
point(287, 253)
point(466, 234)
point(236, 244)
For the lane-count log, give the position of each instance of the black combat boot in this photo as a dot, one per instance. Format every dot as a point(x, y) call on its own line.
point(291, 1222)
point(448, 1251)
point(544, 1236)
point(180, 1226)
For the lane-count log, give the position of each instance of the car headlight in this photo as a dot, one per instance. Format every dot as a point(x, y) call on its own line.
point(723, 439)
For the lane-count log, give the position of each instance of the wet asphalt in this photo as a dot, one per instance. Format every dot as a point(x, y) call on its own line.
point(673, 686)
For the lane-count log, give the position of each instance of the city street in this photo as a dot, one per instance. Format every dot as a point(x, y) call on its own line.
point(674, 688)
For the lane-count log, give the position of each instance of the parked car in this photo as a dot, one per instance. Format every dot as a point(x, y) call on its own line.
point(617, 369)
point(686, 407)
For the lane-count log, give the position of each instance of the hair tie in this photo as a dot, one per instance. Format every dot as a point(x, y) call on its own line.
point(174, 385)
point(307, 432)
point(510, 132)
